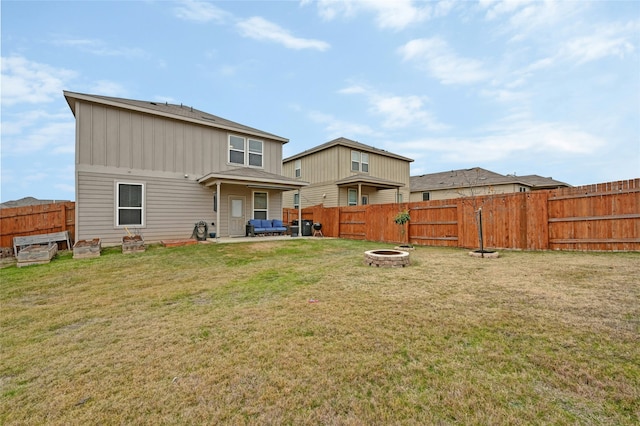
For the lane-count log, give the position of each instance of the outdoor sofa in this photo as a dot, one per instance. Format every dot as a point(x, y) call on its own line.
point(265, 227)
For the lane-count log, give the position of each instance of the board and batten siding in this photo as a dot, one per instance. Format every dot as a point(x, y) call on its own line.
point(121, 138)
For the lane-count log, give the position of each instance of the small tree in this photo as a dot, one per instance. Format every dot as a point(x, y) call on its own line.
point(401, 219)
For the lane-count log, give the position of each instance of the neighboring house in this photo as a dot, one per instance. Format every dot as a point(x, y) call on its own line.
point(475, 181)
point(343, 172)
point(158, 169)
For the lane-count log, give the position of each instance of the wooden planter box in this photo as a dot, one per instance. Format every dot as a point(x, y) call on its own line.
point(85, 249)
point(37, 254)
point(134, 244)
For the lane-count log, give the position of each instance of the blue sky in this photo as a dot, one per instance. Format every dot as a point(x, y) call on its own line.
point(526, 87)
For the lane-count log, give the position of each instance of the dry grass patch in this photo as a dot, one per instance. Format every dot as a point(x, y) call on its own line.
point(226, 334)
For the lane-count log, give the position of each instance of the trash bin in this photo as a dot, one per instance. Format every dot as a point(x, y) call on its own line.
point(307, 226)
point(294, 230)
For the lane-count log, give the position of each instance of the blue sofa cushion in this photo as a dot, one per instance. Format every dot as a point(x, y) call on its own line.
point(276, 223)
point(265, 223)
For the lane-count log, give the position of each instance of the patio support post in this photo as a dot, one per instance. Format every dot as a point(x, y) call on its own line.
point(219, 197)
point(359, 194)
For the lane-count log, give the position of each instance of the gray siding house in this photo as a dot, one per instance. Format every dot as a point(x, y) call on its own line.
point(343, 172)
point(157, 169)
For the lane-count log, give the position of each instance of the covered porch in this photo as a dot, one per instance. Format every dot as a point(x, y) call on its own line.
point(363, 185)
point(246, 193)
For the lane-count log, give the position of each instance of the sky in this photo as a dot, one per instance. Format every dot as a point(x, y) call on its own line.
point(527, 87)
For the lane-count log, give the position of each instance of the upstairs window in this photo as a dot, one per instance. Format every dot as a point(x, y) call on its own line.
point(255, 153)
point(236, 150)
point(359, 162)
point(246, 152)
point(130, 204)
point(426, 196)
point(355, 161)
point(298, 167)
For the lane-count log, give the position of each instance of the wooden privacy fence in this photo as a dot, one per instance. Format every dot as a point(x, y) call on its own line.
point(604, 217)
point(35, 220)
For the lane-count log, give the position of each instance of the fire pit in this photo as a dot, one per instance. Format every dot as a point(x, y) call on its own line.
point(386, 258)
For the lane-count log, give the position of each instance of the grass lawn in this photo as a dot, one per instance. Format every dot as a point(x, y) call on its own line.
point(226, 334)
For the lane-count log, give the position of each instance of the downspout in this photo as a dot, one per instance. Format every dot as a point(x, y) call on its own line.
point(219, 201)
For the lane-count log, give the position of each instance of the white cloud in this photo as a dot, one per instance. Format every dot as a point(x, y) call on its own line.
point(200, 11)
point(56, 137)
point(512, 142)
point(25, 81)
point(397, 111)
point(436, 57)
point(109, 88)
point(336, 127)
point(260, 29)
point(615, 40)
point(100, 48)
point(394, 15)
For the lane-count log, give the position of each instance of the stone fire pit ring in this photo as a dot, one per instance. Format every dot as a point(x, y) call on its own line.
point(387, 258)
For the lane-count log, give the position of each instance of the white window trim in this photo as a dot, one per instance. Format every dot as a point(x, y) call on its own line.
point(249, 153)
point(360, 161)
point(297, 168)
point(296, 197)
point(350, 191)
point(246, 151)
point(117, 207)
point(253, 204)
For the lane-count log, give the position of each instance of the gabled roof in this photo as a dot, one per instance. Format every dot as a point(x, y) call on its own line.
point(475, 177)
point(349, 144)
point(174, 111)
point(252, 177)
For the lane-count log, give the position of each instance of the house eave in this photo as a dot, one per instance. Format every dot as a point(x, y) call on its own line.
point(114, 103)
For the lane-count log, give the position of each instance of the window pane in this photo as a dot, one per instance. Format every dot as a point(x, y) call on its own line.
point(260, 214)
point(130, 217)
point(296, 201)
point(255, 146)
point(353, 197)
point(255, 160)
point(355, 161)
point(365, 168)
point(236, 157)
point(236, 143)
point(236, 208)
point(129, 195)
point(260, 200)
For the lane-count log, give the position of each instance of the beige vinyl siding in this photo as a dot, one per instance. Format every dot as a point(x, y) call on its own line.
point(128, 139)
point(171, 207)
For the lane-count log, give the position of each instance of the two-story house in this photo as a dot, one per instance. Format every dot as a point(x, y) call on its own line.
point(343, 172)
point(158, 169)
point(474, 182)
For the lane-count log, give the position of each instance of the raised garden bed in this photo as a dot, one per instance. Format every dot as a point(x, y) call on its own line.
point(132, 244)
point(37, 254)
point(84, 249)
